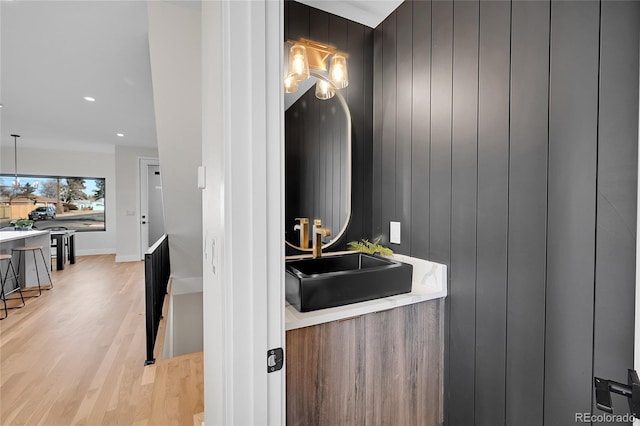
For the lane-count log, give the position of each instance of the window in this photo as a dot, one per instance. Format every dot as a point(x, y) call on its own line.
point(76, 203)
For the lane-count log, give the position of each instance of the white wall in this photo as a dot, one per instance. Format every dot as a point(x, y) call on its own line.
point(128, 213)
point(98, 163)
point(174, 45)
point(1, 76)
point(213, 237)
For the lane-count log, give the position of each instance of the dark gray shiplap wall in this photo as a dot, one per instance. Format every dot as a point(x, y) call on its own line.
point(357, 41)
point(505, 141)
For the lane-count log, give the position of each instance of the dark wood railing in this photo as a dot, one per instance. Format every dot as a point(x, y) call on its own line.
point(157, 269)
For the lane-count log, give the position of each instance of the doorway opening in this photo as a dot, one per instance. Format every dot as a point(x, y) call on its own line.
point(151, 203)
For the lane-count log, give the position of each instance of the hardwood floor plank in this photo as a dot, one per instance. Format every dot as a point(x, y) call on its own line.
point(75, 355)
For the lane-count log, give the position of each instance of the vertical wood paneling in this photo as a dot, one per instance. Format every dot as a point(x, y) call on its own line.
point(389, 111)
point(357, 85)
point(463, 211)
point(573, 120)
point(520, 346)
point(403, 366)
point(440, 107)
point(302, 356)
point(616, 202)
point(297, 20)
point(368, 186)
point(326, 379)
point(404, 81)
point(338, 36)
point(322, 157)
point(527, 212)
point(318, 25)
point(441, 110)
point(287, 19)
point(492, 221)
point(376, 152)
point(382, 368)
point(420, 129)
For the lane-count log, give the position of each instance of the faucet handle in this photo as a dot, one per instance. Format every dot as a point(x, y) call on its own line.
point(318, 233)
point(303, 227)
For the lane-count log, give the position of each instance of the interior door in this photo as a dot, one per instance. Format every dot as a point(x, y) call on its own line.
point(151, 204)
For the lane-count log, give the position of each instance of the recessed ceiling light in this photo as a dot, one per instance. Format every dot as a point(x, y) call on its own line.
point(0, 105)
point(120, 135)
point(89, 99)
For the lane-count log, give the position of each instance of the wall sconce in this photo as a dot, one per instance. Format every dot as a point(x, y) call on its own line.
point(307, 54)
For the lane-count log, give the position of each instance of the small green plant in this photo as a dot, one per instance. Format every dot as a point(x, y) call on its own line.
point(366, 246)
point(24, 223)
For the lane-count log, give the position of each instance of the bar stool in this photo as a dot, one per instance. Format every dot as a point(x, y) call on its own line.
point(34, 249)
point(3, 281)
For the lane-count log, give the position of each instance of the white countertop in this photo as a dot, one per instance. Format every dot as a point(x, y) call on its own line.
point(429, 282)
point(19, 235)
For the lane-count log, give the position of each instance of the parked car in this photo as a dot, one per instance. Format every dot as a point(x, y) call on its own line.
point(43, 213)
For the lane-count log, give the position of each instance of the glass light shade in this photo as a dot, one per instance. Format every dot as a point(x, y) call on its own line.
point(298, 62)
point(290, 84)
point(324, 90)
point(338, 74)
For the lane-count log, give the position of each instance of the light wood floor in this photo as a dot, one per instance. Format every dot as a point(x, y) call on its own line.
point(75, 355)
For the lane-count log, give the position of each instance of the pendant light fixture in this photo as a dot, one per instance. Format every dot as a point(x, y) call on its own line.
point(16, 181)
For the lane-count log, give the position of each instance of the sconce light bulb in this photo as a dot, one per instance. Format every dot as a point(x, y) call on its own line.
point(338, 71)
point(298, 62)
point(290, 84)
point(324, 90)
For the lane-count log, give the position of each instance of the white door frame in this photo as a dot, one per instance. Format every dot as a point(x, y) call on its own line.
point(143, 199)
point(243, 277)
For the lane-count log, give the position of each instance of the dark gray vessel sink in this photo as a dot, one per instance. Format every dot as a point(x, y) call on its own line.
point(330, 281)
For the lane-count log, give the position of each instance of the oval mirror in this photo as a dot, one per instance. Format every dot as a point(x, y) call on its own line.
point(317, 166)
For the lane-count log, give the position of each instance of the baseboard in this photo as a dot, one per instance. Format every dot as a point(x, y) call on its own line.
point(128, 258)
point(93, 252)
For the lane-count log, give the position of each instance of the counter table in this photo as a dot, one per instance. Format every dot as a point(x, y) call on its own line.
point(27, 271)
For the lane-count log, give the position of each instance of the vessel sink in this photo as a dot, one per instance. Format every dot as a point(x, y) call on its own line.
point(330, 281)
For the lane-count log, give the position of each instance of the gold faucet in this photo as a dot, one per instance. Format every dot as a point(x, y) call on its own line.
point(318, 233)
point(303, 227)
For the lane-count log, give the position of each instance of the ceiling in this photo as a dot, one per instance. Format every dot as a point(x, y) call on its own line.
point(367, 12)
point(56, 52)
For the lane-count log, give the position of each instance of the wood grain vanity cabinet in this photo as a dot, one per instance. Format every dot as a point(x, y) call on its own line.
point(382, 368)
